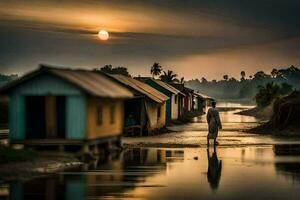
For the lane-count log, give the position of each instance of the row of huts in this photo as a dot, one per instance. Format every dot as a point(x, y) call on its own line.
point(53, 106)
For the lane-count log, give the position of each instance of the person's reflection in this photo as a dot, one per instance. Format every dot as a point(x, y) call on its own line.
point(214, 169)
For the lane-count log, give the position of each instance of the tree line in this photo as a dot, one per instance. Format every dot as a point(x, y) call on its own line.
point(286, 79)
point(255, 87)
point(156, 71)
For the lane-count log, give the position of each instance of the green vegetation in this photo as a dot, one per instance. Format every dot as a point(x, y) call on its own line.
point(169, 77)
point(269, 92)
point(109, 69)
point(12, 155)
point(247, 87)
point(156, 69)
point(4, 79)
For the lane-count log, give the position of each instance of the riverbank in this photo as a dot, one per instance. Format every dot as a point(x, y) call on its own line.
point(264, 113)
point(25, 165)
point(267, 129)
point(285, 120)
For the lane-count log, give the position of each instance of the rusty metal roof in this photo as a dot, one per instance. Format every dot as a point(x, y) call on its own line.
point(91, 82)
point(141, 87)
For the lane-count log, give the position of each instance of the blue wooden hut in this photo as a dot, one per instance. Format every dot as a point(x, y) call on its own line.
point(175, 101)
point(54, 106)
point(201, 101)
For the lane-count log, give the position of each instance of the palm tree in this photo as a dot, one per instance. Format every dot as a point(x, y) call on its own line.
point(182, 80)
point(203, 80)
point(267, 94)
point(225, 77)
point(274, 73)
point(243, 74)
point(156, 69)
point(169, 77)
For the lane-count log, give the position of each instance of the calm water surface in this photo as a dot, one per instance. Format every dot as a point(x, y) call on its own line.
point(243, 166)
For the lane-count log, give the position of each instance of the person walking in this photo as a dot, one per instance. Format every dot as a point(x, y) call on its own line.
point(214, 123)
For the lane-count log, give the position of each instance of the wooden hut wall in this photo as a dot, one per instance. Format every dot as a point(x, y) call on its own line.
point(104, 125)
point(17, 117)
point(46, 85)
point(195, 107)
point(174, 106)
point(152, 113)
point(76, 117)
point(171, 105)
point(169, 102)
point(180, 105)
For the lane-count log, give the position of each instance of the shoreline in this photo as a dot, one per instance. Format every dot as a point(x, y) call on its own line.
point(47, 163)
point(42, 165)
point(264, 129)
point(263, 114)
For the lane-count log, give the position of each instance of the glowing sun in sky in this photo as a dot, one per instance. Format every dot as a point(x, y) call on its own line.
point(103, 35)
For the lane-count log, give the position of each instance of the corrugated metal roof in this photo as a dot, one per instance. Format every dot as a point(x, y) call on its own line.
point(164, 85)
point(141, 88)
point(203, 96)
point(91, 82)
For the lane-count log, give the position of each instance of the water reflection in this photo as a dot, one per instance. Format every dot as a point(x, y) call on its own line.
point(287, 166)
point(289, 170)
point(115, 175)
point(214, 168)
point(159, 173)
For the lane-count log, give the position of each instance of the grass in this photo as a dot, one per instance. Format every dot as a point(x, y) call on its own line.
point(12, 155)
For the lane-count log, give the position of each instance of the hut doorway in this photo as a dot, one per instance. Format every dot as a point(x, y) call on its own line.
point(35, 117)
point(45, 117)
point(133, 109)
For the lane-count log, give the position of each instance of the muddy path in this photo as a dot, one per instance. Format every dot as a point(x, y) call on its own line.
point(233, 134)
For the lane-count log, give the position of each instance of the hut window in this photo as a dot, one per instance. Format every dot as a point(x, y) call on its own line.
point(176, 96)
point(99, 114)
point(159, 112)
point(112, 113)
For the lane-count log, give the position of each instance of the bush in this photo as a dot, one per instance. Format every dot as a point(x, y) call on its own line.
point(266, 94)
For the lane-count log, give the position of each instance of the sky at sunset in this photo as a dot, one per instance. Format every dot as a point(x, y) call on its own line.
point(195, 38)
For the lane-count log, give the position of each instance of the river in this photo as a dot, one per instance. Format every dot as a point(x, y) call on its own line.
point(180, 166)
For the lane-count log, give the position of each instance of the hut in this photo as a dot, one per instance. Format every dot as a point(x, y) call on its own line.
point(174, 103)
point(188, 101)
point(146, 111)
point(201, 101)
point(63, 108)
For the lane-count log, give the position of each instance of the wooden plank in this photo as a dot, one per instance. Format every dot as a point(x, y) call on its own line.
point(51, 127)
point(17, 118)
point(76, 117)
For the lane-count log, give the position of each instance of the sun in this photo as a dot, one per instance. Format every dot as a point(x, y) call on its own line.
point(103, 35)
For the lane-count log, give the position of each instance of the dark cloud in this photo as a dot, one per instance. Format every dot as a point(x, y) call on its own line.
point(167, 31)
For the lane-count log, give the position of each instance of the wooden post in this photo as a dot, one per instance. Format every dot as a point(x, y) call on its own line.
point(85, 149)
point(95, 150)
point(51, 128)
